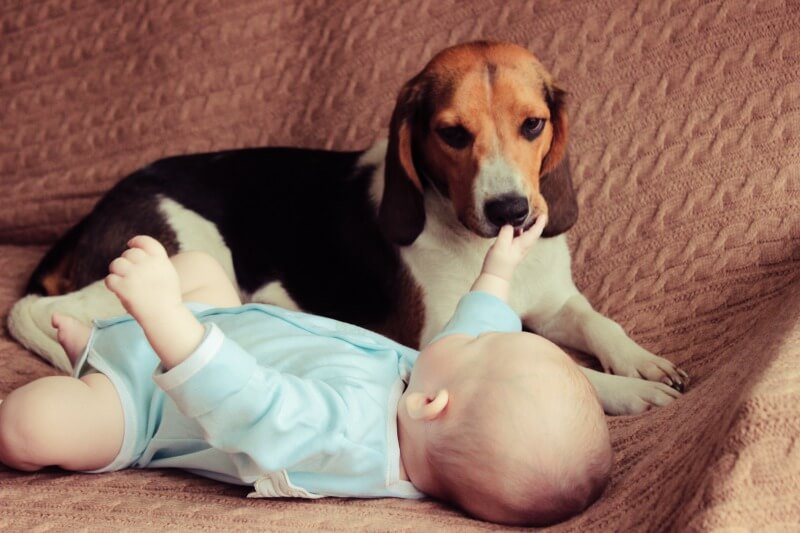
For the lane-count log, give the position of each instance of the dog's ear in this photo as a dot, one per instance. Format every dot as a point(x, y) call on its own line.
point(562, 205)
point(555, 182)
point(402, 211)
point(556, 102)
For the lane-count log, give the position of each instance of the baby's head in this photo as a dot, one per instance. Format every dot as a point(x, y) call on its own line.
point(506, 427)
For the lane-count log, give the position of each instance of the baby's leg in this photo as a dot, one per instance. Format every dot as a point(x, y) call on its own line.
point(76, 424)
point(152, 289)
point(200, 277)
point(203, 280)
point(72, 334)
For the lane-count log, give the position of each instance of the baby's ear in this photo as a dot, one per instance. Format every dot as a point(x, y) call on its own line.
point(421, 406)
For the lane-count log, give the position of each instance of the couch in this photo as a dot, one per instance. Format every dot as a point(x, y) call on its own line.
point(685, 148)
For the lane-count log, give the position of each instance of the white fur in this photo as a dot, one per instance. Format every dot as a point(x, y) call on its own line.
point(274, 294)
point(25, 325)
point(446, 258)
point(29, 319)
point(375, 156)
point(194, 232)
point(496, 176)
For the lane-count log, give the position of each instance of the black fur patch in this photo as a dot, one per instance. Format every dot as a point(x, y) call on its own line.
point(301, 217)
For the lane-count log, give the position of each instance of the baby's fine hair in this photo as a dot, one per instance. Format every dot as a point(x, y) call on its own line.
point(512, 455)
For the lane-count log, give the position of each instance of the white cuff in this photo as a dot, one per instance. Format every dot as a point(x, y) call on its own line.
point(190, 366)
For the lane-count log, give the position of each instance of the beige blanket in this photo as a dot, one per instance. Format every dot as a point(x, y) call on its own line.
point(685, 120)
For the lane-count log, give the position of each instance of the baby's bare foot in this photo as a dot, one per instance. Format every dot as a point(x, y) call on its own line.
point(73, 335)
point(145, 280)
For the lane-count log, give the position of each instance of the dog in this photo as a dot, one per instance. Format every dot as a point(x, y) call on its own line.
point(388, 238)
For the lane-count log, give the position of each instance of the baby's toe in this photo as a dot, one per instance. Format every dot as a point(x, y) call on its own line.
point(149, 245)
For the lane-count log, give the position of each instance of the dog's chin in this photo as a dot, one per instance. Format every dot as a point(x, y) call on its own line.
point(480, 227)
point(487, 230)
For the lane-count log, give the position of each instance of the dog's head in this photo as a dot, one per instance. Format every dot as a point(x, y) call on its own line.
point(483, 124)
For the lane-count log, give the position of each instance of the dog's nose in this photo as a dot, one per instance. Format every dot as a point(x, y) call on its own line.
point(507, 209)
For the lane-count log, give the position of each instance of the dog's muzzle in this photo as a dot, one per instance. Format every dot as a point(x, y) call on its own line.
point(507, 209)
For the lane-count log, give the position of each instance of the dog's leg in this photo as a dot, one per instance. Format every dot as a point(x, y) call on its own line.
point(29, 319)
point(621, 395)
point(578, 326)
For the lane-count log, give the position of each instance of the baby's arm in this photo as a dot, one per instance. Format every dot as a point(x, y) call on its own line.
point(485, 307)
point(264, 419)
point(152, 289)
point(504, 256)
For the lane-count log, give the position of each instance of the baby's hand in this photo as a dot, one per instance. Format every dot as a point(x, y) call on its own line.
point(508, 250)
point(144, 279)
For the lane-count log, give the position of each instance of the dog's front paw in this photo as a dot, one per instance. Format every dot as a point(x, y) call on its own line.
point(639, 363)
point(622, 395)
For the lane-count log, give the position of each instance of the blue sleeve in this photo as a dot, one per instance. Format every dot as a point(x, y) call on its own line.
point(255, 413)
point(478, 312)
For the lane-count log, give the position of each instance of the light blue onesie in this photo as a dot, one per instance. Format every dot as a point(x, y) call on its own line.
point(293, 404)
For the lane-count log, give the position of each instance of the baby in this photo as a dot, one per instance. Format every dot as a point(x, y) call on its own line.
point(497, 421)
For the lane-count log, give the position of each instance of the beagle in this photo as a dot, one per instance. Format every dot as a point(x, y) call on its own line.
point(388, 238)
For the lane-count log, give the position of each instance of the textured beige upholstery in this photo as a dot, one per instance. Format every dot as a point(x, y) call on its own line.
point(685, 124)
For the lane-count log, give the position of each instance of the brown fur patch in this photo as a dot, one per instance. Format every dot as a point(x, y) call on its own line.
point(405, 322)
point(57, 282)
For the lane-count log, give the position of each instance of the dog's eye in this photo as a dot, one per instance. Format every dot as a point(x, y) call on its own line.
point(532, 128)
point(455, 136)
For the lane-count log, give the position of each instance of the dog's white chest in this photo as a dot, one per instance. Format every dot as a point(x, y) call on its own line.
point(446, 263)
